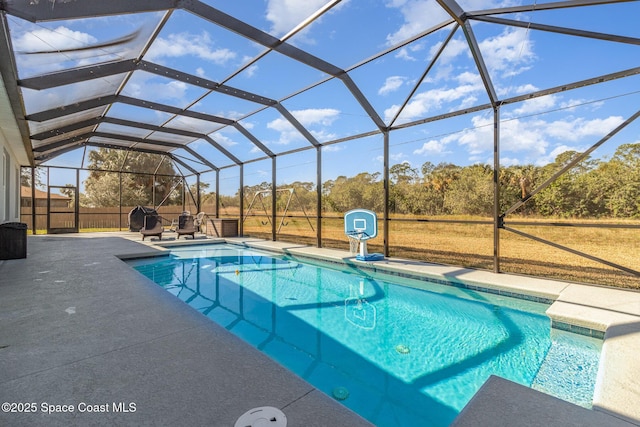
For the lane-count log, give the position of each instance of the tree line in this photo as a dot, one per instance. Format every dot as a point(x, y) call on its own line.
point(593, 188)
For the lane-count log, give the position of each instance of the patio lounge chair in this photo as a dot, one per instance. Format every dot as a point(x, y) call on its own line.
point(187, 228)
point(152, 227)
point(199, 220)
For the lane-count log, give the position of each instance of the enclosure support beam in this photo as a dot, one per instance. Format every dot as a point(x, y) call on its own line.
point(241, 193)
point(319, 196)
point(218, 198)
point(33, 200)
point(76, 202)
point(386, 192)
point(497, 219)
point(198, 193)
point(153, 189)
point(274, 198)
point(48, 199)
point(184, 194)
point(120, 200)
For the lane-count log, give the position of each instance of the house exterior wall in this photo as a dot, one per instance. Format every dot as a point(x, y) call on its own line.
point(9, 183)
point(56, 200)
point(13, 154)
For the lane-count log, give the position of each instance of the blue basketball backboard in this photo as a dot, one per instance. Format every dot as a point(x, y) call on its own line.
point(361, 221)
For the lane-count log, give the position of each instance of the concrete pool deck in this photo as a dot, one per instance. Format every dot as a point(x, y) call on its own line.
point(77, 326)
point(80, 328)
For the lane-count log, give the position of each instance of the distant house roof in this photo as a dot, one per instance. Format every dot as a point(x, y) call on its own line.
point(25, 192)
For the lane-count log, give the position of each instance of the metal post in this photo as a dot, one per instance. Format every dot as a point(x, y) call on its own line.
point(386, 192)
point(33, 201)
point(497, 218)
point(184, 193)
point(274, 194)
point(153, 191)
point(241, 193)
point(77, 201)
point(48, 200)
point(218, 195)
point(319, 196)
point(120, 202)
point(198, 200)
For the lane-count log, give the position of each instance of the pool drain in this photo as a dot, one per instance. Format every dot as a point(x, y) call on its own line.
point(264, 416)
point(340, 393)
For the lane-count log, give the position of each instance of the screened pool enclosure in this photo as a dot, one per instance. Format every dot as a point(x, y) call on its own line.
point(500, 135)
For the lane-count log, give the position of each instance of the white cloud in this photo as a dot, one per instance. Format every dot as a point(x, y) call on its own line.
point(504, 92)
point(308, 118)
point(522, 136)
point(185, 43)
point(60, 38)
point(228, 142)
point(397, 157)
point(551, 156)
point(572, 103)
point(433, 147)
point(312, 116)
point(515, 136)
point(469, 78)
point(534, 105)
point(536, 141)
point(391, 84)
point(144, 86)
point(174, 89)
point(507, 161)
point(485, 4)
point(403, 53)
point(454, 48)
point(424, 102)
point(333, 147)
point(526, 88)
point(580, 128)
point(418, 15)
point(323, 135)
point(285, 15)
point(250, 71)
point(502, 53)
point(421, 14)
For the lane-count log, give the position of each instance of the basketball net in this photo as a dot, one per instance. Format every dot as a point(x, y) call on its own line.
point(354, 243)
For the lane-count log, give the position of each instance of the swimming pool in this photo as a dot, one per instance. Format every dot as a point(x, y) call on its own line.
point(398, 351)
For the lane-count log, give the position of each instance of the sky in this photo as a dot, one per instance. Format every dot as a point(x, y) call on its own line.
point(520, 60)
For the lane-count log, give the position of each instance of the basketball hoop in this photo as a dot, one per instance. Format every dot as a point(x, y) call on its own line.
point(354, 243)
point(361, 225)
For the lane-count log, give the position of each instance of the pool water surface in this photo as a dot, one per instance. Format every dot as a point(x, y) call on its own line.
point(398, 351)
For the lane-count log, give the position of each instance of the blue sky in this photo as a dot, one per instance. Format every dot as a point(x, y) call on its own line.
point(519, 60)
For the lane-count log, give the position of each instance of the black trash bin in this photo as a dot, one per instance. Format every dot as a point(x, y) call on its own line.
point(13, 240)
point(182, 219)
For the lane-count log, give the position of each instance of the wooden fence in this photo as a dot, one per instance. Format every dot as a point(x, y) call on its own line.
point(110, 218)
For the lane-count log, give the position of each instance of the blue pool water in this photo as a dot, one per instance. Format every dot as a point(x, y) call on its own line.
point(398, 351)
